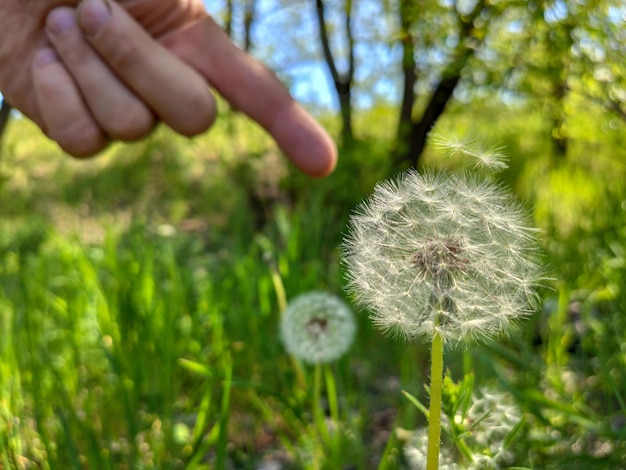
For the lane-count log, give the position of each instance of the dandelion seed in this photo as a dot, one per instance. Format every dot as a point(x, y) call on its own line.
point(317, 327)
point(445, 253)
point(490, 159)
point(453, 144)
point(466, 145)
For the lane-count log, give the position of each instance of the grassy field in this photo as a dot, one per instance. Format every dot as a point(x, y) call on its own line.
point(141, 295)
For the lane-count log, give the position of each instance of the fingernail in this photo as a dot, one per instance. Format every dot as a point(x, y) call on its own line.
point(93, 14)
point(61, 20)
point(46, 56)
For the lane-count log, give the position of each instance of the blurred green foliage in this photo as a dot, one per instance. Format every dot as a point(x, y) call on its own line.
point(139, 307)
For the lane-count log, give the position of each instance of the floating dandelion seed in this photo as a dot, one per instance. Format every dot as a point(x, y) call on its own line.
point(442, 253)
point(317, 327)
point(468, 146)
point(453, 144)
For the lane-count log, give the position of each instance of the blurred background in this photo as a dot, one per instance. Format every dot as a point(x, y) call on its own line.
point(140, 292)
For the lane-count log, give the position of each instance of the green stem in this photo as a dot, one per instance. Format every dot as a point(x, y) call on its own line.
point(318, 414)
point(331, 392)
point(333, 405)
point(434, 416)
point(279, 288)
point(467, 453)
point(222, 439)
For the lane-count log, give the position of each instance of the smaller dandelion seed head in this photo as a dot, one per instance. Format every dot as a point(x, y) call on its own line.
point(317, 327)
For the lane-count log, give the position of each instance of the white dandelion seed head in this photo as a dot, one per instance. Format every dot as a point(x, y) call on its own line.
point(444, 253)
point(317, 327)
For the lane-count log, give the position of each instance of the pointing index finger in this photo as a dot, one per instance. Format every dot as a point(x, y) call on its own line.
point(174, 90)
point(254, 89)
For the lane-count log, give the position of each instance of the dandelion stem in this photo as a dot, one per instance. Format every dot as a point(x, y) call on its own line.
point(331, 392)
point(434, 417)
point(331, 396)
point(318, 414)
point(281, 298)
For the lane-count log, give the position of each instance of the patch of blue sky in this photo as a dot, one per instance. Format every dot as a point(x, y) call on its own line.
point(286, 38)
point(556, 12)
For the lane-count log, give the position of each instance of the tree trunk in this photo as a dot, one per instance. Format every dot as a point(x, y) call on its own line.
point(228, 27)
point(560, 141)
point(5, 114)
point(419, 130)
point(248, 18)
point(409, 76)
point(559, 131)
point(411, 133)
point(342, 81)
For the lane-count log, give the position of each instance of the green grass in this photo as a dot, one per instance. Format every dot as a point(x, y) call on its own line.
point(140, 299)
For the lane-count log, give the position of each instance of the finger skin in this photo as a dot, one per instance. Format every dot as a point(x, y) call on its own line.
point(174, 90)
point(115, 108)
point(66, 117)
point(186, 29)
point(255, 90)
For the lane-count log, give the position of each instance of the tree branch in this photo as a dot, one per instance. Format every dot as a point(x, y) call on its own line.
point(343, 82)
point(409, 72)
point(412, 134)
point(328, 54)
point(348, 26)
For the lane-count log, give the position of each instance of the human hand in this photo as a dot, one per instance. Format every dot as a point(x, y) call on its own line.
point(108, 81)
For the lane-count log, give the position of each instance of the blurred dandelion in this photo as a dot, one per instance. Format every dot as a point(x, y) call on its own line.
point(491, 418)
point(317, 327)
point(485, 428)
point(415, 451)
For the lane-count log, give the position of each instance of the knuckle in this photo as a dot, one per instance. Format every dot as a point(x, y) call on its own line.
point(80, 139)
point(75, 54)
point(122, 55)
point(130, 123)
point(197, 117)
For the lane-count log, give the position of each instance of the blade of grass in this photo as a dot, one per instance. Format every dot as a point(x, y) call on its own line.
point(222, 440)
